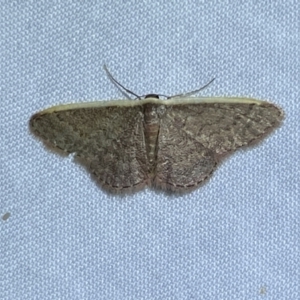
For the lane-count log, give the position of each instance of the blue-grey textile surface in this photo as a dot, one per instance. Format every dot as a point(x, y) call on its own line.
point(236, 237)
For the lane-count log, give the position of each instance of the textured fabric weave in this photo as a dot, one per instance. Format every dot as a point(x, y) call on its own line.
point(237, 237)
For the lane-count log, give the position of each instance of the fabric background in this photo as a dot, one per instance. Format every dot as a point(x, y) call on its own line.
point(237, 237)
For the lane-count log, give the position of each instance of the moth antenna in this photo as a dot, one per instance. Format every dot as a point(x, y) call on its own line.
point(119, 85)
point(193, 92)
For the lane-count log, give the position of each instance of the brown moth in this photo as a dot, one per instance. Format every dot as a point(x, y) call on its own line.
point(173, 144)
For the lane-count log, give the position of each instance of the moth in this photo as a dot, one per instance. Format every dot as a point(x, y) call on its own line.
point(173, 144)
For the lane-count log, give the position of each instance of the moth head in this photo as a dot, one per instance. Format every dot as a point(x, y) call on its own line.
point(152, 96)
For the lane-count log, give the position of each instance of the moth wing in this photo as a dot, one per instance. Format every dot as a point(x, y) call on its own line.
point(109, 140)
point(194, 136)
